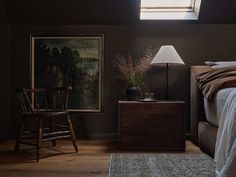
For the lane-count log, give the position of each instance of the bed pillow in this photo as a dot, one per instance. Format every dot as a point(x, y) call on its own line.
point(220, 64)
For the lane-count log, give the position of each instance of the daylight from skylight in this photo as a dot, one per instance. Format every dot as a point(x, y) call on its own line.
point(169, 9)
point(166, 3)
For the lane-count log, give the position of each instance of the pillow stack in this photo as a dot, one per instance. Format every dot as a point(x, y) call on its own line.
point(220, 64)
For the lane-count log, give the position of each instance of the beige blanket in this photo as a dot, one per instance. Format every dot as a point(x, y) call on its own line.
point(212, 81)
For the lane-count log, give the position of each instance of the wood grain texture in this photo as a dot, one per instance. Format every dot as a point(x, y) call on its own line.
point(60, 161)
point(91, 161)
point(152, 125)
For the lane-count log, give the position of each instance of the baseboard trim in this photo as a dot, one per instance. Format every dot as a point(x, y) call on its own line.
point(111, 136)
point(187, 136)
point(92, 136)
point(5, 137)
point(99, 136)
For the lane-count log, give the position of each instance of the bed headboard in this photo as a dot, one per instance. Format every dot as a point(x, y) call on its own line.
point(197, 112)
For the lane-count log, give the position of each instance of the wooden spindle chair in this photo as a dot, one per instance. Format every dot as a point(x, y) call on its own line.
point(44, 105)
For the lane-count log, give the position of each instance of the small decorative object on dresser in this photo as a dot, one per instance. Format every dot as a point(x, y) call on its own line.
point(133, 70)
point(151, 125)
point(133, 93)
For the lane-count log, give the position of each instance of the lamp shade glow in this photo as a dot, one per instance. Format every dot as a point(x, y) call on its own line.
point(167, 54)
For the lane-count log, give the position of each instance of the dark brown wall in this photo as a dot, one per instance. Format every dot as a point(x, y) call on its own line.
point(112, 12)
point(4, 74)
point(195, 43)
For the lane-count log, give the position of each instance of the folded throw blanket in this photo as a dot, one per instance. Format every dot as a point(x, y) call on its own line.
point(210, 82)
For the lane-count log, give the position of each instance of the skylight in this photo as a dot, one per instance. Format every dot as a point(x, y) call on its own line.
point(166, 3)
point(169, 9)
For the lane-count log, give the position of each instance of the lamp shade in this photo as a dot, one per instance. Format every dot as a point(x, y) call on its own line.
point(167, 55)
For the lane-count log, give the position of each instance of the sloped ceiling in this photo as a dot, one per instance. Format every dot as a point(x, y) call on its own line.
point(71, 11)
point(3, 13)
point(68, 12)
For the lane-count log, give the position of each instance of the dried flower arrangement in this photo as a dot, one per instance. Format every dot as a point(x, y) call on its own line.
point(133, 69)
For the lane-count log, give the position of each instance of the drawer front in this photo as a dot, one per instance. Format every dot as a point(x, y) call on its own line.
point(152, 138)
point(151, 115)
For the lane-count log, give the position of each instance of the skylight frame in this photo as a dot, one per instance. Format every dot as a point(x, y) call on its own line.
point(156, 12)
point(155, 5)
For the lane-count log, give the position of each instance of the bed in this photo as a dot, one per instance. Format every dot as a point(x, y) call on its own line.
point(203, 133)
point(213, 115)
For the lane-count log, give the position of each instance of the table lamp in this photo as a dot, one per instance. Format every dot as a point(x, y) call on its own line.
point(167, 55)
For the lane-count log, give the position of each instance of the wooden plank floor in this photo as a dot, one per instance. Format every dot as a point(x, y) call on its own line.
point(91, 161)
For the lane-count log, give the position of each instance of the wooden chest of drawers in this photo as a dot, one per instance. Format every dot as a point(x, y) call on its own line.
point(151, 125)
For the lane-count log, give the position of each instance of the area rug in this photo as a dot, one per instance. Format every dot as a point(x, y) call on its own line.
point(161, 165)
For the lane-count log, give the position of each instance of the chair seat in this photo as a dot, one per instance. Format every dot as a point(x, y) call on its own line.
point(46, 113)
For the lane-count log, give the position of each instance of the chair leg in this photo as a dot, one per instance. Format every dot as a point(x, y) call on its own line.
point(72, 133)
point(51, 130)
point(39, 138)
point(19, 135)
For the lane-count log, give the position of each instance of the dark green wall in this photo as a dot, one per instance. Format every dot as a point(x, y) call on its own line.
point(195, 43)
point(4, 74)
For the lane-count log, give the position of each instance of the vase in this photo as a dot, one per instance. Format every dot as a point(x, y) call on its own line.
point(133, 93)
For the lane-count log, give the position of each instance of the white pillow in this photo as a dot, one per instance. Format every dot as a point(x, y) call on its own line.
point(210, 63)
point(220, 64)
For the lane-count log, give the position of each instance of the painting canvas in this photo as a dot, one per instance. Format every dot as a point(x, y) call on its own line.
point(75, 61)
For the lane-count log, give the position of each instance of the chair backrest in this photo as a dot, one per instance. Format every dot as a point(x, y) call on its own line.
point(33, 100)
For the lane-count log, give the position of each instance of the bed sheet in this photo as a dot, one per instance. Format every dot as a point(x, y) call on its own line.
point(213, 109)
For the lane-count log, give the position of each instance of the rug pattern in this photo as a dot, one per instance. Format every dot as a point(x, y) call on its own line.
point(161, 165)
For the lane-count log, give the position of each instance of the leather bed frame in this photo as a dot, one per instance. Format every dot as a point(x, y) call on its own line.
point(203, 133)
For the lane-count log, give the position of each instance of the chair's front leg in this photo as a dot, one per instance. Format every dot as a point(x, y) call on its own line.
point(39, 138)
point(20, 133)
point(52, 129)
point(72, 133)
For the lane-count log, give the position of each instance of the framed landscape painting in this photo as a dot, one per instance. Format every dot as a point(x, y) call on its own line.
point(70, 61)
